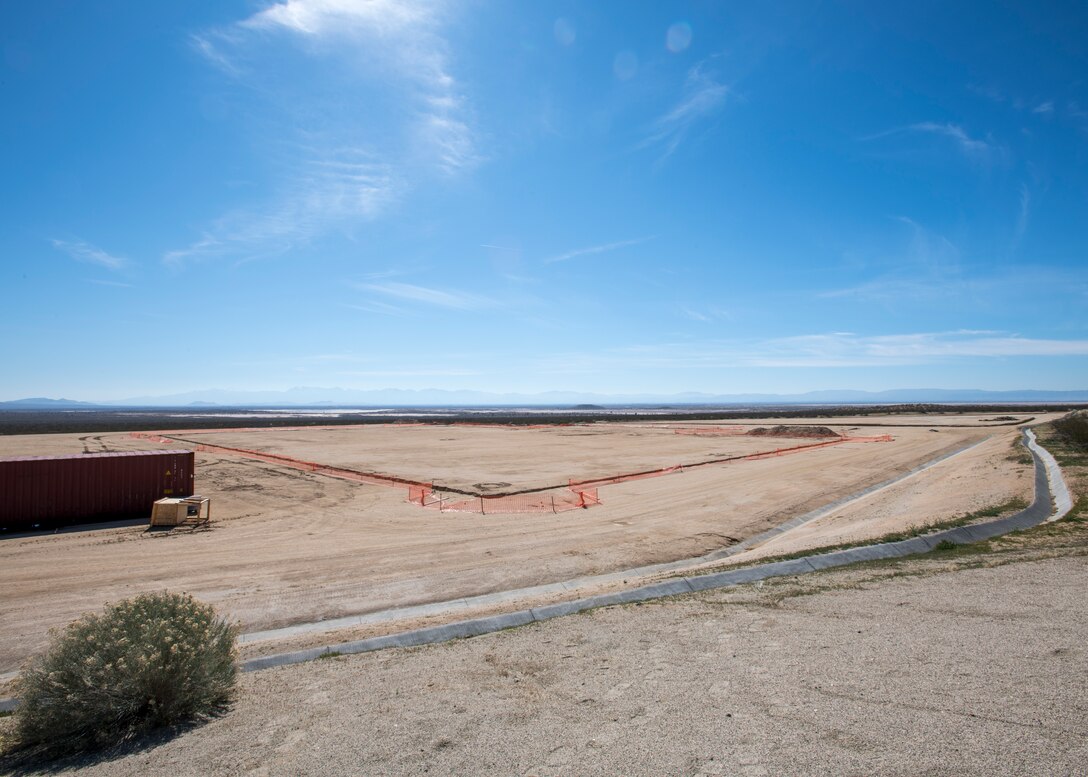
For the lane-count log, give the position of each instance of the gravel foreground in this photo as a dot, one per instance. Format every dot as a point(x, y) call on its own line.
point(910, 669)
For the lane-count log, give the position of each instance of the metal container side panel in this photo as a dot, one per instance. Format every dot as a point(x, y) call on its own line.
point(16, 486)
point(56, 491)
point(184, 468)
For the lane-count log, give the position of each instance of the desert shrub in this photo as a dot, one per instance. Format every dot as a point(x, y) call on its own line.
point(150, 661)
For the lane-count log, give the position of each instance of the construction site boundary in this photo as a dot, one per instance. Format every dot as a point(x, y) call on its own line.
point(573, 495)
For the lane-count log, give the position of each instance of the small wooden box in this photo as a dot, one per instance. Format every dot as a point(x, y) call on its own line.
point(178, 511)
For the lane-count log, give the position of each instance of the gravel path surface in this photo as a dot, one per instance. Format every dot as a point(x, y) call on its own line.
point(975, 671)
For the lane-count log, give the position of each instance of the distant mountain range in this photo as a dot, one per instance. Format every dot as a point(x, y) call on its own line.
point(338, 397)
point(44, 403)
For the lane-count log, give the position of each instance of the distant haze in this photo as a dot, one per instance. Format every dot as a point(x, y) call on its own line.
point(333, 397)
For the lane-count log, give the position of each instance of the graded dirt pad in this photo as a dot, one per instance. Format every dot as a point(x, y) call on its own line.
point(288, 546)
point(969, 672)
point(491, 459)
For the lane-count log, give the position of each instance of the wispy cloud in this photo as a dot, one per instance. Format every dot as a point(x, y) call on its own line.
point(821, 350)
point(703, 96)
point(600, 249)
point(706, 315)
point(454, 300)
point(1046, 107)
point(339, 186)
point(382, 308)
point(975, 149)
point(323, 69)
point(967, 144)
point(436, 373)
point(844, 349)
point(114, 284)
point(928, 250)
point(983, 287)
point(85, 252)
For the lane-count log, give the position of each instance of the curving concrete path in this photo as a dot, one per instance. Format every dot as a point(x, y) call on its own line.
point(1063, 501)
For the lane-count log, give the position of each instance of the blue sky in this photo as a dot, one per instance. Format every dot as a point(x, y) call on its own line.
point(513, 196)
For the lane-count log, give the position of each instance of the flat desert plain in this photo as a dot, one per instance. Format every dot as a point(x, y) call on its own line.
point(287, 546)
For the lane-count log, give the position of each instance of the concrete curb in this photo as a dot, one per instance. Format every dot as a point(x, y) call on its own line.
point(1063, 501)
point(1038, 512)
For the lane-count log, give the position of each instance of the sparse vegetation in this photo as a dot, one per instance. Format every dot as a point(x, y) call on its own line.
point(1075, 427)
point(154, 660)
point(1072, 431)
point(1018, 452)
point(913, 531)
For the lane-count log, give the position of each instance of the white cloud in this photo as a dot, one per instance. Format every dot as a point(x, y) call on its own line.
point(706, 315)
point(339, 186)
point(454, 300)
point(848, 350)
point(703, 97)
point(437, 373)
point(973, 148)
point(600, 249)
point(967, 144)
point(830, 350)
point(362, 107)
point(85, 252)
point(114, 284)
point(928, 250)
point(319, 17)
point(382, 308)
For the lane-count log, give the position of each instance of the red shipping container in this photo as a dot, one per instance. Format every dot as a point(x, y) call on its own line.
point(48, 491)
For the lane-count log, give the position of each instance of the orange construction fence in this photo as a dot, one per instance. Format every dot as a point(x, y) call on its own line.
point(375, 478)
point(580, 494)
point(654, 473)
point(555, 501)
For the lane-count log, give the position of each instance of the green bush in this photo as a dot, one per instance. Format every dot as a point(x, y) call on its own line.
point(150, 661)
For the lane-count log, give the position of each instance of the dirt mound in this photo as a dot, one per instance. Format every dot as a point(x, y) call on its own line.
point(792, 431)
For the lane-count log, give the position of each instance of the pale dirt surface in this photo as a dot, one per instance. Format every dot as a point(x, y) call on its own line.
point(288, 546)
point(974, 480)
point(949, 418)
point(920, 670)
point(459, 456)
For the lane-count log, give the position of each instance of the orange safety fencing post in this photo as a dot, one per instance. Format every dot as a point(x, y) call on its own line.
point(580, 494)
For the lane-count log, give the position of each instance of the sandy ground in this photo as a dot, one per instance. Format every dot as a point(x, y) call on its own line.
point(459, 456)
point(914, 670)
point(289, 546)
point(976, 479)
